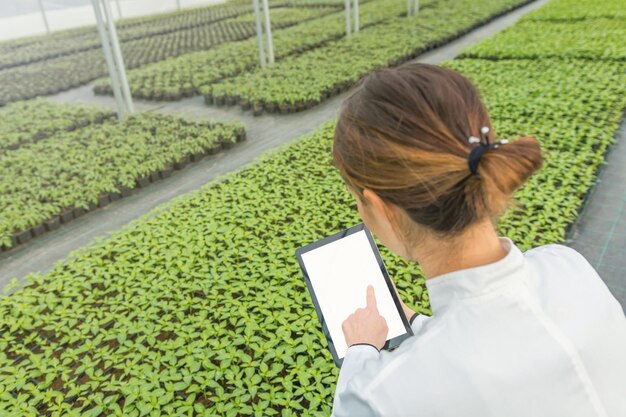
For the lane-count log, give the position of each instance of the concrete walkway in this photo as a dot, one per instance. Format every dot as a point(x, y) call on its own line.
point(264, 133)
point(600, 231)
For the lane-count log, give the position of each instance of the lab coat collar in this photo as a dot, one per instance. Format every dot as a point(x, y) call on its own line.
point(452, 287)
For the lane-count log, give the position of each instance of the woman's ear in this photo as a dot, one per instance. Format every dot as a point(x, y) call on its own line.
point(379, 216)
point(382, 219)
point(376, 206)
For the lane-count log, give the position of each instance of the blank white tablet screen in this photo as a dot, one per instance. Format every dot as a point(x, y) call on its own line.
point(340, 273)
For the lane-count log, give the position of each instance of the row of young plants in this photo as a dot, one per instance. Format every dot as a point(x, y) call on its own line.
point(574, 108)
point(303, 81)
point(185, 75)
point(597, 38)
point(40, 48)
point(301, 3)
point(200, 308)
point(27, 122)
point(573, 10)
point(283, 15)
point(53, 181)
point(575, 84)
point(62, 73)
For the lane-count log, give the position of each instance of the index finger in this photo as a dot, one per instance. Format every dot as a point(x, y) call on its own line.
point(371, 297)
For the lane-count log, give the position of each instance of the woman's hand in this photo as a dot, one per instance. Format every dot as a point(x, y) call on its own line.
point(366, 325)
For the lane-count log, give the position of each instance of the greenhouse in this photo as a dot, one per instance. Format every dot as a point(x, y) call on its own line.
point(183, 184)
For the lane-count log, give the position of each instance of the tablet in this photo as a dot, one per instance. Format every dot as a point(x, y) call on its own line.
point(337, 271)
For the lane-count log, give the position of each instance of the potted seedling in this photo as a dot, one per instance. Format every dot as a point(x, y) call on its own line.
point(228, 140)
point(257, 109)
point(167, 171)
point(143, 181)
point(215, 147)
point(155, 176)
point(114, 196)
point(271, 107)
point(39, 229)
point(182, 162)
point(103, 200)
point(79, 211)
point(24, 236)
point(52, 223)
point(245, 104)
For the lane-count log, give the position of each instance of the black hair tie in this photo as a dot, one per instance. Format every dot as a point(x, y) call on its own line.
point(478, 151)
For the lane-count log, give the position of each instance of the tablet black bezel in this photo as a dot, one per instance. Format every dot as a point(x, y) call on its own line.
point(390, 344)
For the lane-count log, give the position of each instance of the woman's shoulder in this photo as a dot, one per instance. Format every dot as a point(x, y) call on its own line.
point(554, 249)
point(561, 276)
point(561, 259)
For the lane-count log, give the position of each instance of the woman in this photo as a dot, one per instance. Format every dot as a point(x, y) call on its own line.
point(512, 334)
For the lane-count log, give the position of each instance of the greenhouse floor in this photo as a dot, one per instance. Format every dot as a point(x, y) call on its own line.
point(600, 232)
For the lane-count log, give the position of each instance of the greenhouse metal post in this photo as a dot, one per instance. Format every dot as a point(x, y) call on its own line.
point(259, 33)
point(416, 6)
point(116, 67)
point(408, 7)
point(268, 31)
point(178, 4)
point(43, 14)
point(119, 9)
point(356, 15)
point(348, 21)
point(108, 56)
point(117, 55)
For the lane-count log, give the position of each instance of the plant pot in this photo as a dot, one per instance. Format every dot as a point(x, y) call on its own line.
point(284, 108)
point(115, 196)
point(227, 144)
point(214, 149)
point(257, 109)
point(39, 230)
point(271, 107)
point(13, 244)
point(241, 136)
point(52, 224)
point(143, 182)
point(67, 216)
point(24, 236)
point(103, 200)
point(167, 171)
point(182, 163)
point(169, 96)
point(78, 212)
point(92, 206)
point(126, 191)
point(208, 99)
point(197, 156)
point(245, 104)
point(155, 176)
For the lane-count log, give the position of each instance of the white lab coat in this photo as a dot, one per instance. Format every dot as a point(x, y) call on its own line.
point(535, 334)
